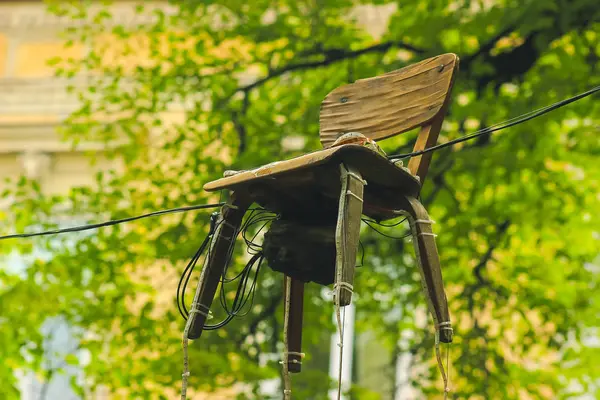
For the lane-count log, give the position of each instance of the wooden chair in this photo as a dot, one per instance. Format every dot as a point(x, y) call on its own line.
point(329, 184)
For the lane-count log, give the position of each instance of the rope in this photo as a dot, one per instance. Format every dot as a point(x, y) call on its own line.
point(438, 356)
point(287, 384)
point(447, 368)
point(341, 323)
point(186, 371)
point(340, 246)
point(195, 310)
point(447, 325)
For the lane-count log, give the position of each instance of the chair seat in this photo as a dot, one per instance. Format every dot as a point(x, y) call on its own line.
point(317, 173)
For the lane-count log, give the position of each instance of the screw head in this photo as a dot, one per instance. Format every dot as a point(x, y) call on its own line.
point(344, 100)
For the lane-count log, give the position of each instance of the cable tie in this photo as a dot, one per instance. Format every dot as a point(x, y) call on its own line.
point(358, 178)
point(185, 374)
point(424, 221)
point(343, 285)
point(195, 310)
point(295, 353)
point(446, 326)
point(426, 234)
point(224, 222)
point(349, 193)
point(233, 227)
point(291, 361)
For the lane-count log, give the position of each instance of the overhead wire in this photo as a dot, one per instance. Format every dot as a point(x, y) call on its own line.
point(369, 222)
point(499, 126)
point(111, 222)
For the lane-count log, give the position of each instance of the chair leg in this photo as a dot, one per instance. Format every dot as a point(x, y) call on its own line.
point(227, 228)
point(294, 334)
point(347, 232)
point(429, 263)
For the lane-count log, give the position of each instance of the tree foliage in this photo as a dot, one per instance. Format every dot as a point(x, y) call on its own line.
point(517, 213)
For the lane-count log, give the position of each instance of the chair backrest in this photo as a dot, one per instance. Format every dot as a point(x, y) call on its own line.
point(393, 103)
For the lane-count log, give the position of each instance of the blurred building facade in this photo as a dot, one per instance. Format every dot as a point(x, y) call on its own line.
point(33, 104)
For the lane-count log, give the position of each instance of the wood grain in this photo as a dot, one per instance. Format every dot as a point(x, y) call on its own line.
point(389, 104)
point(429, 265)
point(374, 167)
point(348, 230)
point(428, 136)
point(228, 226)
point(295, 325)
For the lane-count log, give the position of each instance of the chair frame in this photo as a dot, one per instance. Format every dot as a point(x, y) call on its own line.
point(378, 108)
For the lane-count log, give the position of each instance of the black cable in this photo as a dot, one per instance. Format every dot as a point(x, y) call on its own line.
point(111, 223)
point(372, 221)
point(187, 272)
point(362, 253)
point(366, 221)
point(245, 291)
point(184, 279)
point(241, 297)
point(255, 218)
point(256, 248)
point(252, 291)
point(502, 125)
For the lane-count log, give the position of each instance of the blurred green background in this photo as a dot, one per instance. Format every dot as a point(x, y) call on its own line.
point(116, 109)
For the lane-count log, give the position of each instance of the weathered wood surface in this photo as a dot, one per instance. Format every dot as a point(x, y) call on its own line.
point(228, 225)
point(295, 325)
point(428, 136)
point(386, 105)
point(378, 108)
point(374, 167)
point(348, 231)
point(429, 266)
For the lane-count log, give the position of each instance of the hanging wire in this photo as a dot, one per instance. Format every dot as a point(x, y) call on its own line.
point(372, 221)
point(362, 253)
point(246, 287)
point(446, 391)
point(499, 126)
point(111, 222)
point(187, 272)
point(369, 223)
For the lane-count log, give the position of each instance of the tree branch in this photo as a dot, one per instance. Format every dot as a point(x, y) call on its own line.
point(240, 127)
point(331, 56)
point(466, 61)
point(487, 256)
